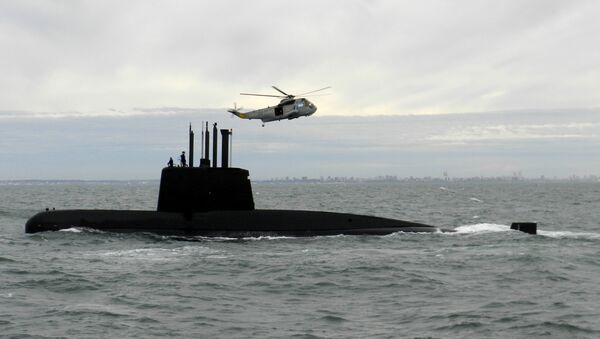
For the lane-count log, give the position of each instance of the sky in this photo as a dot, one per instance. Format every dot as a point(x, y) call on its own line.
point(476, 88)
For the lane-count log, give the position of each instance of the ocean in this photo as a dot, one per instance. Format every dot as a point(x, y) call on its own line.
point(482, 281)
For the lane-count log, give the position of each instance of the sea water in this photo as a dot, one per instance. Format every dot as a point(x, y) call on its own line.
point(482, 281)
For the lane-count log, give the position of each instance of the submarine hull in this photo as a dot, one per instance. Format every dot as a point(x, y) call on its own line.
point(235, 224)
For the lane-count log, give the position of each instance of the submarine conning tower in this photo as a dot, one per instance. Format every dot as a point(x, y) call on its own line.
point(190, 189)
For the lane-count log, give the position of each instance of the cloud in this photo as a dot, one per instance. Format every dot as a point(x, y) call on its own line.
point(521, 132)
point(552, 143)
point(106, 89)
point(381, 57)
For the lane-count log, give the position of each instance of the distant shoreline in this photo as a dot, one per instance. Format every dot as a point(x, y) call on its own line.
point(306, 180)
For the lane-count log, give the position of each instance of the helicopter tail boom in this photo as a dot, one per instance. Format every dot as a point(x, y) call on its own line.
point(238, 113)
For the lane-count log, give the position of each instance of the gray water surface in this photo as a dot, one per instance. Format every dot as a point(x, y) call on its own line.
point(482, 281)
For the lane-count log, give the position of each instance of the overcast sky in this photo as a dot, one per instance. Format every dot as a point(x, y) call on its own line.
point(109, 67)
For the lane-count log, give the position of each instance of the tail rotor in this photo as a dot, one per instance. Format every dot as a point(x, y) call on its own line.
point(236, 111)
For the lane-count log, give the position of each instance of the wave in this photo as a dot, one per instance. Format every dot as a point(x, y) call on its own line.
point(570, 235)
point(72, 229)
point(494, 228)
point(463, 229)
point(156, 254)
point(5, 239)
point(95, 310)
point(81, 230)
point(5, 259)
point(258, 238)
point(481, 228)
point(248, 238)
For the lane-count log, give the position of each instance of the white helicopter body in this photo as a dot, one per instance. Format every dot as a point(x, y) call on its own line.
point(288, 108)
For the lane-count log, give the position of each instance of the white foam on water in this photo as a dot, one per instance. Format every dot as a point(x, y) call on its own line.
point(156, 254)
point(267, 237)
point(201, 238)
point(492, 228)
point(72, 229)
point(262, 237)
point(569, 235)
point(80, 230)
point(216, 257)
point(403, 234)
point(481, 228)
point(475, 199)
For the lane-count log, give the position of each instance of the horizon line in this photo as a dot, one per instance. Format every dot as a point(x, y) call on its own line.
point(173, 110)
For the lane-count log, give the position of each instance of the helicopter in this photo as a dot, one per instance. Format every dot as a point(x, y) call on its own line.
point(289, 107)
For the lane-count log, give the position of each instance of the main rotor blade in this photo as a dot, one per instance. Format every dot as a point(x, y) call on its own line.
point(320, 89)
point(284, 93)
point(316, 95)
point(263, 95)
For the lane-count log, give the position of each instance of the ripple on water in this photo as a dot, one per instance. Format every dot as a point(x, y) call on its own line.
point(329, 316)
point(154, 253)
point(333, 319)
point(94, 309)
point(60, 284)
point(570, 235)
point(6, 260)
point(555, 329)
point(482, 281)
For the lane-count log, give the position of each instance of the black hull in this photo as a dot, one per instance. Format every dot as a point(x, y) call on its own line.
point(236, 224)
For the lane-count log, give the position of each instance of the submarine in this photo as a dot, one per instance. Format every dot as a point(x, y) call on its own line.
point(213, 201)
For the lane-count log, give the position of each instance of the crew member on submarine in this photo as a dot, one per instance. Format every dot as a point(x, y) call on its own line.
point(182, 159)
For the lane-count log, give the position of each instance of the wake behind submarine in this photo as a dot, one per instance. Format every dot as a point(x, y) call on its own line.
point(213, 201)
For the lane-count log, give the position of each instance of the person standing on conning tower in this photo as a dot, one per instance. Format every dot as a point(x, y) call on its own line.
point(182, 159)
point(170, 163)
